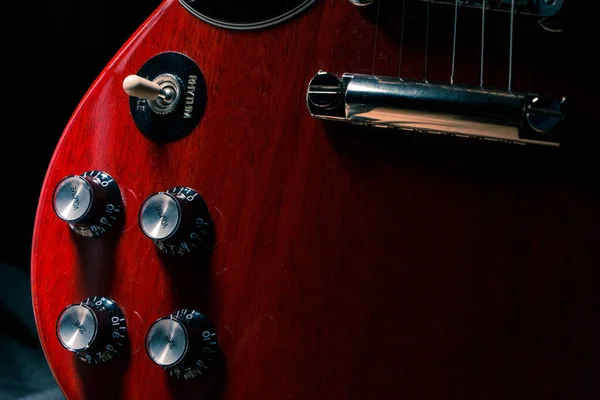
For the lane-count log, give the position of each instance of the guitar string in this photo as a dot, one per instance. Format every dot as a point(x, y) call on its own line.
point(483, 21)
point(510, 55)
point(427, 39)
point(375, 44)
point(482, 43)
point(401, 39)
point(454, 42)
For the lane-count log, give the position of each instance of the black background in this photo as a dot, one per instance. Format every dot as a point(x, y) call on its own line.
point(51, 54)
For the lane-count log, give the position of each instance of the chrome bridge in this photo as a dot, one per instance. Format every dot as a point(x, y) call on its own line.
point(436, 108)
point(540, 8)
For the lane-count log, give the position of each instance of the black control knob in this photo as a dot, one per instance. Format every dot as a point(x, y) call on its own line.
point(95, 329)
point(177, 221)
point(91, 203)
point(184, 344)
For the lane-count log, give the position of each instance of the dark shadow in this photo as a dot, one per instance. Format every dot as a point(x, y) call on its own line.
point(472, 159)
point(97, 260)
point(104, 381)
point(189, 271)
point(191, 287)
point(190, 277)
point(209, 387)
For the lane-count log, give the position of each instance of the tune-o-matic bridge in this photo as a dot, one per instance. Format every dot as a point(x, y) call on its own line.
point(436, 108)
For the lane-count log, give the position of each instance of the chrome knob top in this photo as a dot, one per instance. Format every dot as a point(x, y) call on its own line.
point(160, 216)
point(95, 330)
point(167, 342)
point(76, 328)
point(73, 198)
point(177, 220)
point(184, 344)
point(90, 203)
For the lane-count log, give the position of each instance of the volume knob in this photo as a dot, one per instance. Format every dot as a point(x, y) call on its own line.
point(90, 203)
point(184, 344)
point(95, 329)
point(177, 221)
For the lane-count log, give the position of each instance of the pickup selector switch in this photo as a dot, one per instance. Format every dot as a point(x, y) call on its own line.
point(162, 94)
point(95, 329)
point(177, 221)
point(90, 203)
point(167, 96)
point(184, 344)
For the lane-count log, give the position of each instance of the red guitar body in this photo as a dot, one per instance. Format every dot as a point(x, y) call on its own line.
point(350, 262)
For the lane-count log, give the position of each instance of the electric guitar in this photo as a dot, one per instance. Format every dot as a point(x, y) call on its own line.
point(333, 199)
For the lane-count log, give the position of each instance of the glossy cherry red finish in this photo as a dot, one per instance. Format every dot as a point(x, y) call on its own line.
point(350, 263)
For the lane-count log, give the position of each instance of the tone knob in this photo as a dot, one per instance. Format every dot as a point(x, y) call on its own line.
point(184, 344)
point(90, 203)
point(95, 329)
point(177, 221)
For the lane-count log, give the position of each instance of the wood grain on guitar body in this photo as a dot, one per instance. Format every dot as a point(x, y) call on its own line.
point(273, 213)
